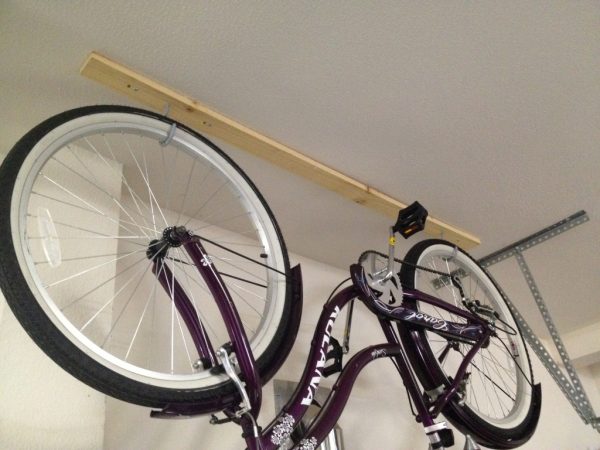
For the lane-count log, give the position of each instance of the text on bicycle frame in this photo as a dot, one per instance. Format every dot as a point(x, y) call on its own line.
point(317, 374)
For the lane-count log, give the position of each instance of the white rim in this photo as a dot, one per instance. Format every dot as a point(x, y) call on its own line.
point(507, 389)
point(69, 132)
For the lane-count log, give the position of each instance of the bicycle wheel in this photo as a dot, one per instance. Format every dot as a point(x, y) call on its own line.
point(498, 404)
point(84, 195)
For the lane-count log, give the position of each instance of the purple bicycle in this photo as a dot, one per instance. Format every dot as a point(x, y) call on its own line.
point(144, 262)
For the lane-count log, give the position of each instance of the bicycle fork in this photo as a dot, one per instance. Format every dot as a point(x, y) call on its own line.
point(440, 436)
point(180, 236)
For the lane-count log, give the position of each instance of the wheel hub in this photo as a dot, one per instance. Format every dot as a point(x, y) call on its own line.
point(171, 237)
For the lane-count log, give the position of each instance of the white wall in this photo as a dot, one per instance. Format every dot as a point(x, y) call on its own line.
point(560, 427)
point(43, 407)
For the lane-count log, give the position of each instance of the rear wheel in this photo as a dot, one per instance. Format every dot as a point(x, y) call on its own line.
point(498, 404)
point(86, 195)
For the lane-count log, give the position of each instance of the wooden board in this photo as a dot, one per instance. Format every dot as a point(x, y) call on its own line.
point(207, 121)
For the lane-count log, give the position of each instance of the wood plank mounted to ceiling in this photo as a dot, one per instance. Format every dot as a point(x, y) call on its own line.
point(196, 115)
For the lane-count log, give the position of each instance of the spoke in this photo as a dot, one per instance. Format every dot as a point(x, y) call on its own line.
point(141, 214)
point(452, 290)
point(108, 194)
point(115, 296)
point(164, 177)
point(96, 210)
point(252, 233)
point(57, 222)
point(223, 274)
point(119, 222)
point(110, 301)
point(205, 322)
point(209, 170)
point(84, 257)
point(90, 269)
point(151, 192)
point(153, 319)
point(483, 383)
point(187, 188)
point(240, 255)
point(172, 294)
point(240, 244)
point(480, 372)
point(171, 178)
point(177, 316)
point(446, 284)
point(444, 352)
point(95, 237)
point(118, 173)
point(195, 216)
point(139, 324)
point(233, 286)
point(226, 261)
point(66, 203)
point(210, 294)
point(221, 222)
point(474, 396)
point(108, 146)
point(187, 351)
point(476, 288)
point(124, 180)
point(60, 186)
point(517, 364)
point(494, 363)
point(102, 284)
point(126, 304)
point(500, 403)
point(222, 205)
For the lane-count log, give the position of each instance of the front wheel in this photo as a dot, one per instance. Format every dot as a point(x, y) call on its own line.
point(86, 197)
point(498, 404)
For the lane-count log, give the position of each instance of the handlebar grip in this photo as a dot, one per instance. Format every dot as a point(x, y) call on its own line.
point(411, 220)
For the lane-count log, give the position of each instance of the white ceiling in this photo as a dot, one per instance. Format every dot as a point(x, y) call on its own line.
point(486, 112)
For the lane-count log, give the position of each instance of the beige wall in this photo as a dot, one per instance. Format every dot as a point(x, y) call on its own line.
point(43, 407)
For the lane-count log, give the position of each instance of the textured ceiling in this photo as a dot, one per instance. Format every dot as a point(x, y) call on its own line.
point(487, 113)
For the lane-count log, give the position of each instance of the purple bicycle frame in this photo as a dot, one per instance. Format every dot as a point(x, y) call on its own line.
point(291, 414)
point(475, 331)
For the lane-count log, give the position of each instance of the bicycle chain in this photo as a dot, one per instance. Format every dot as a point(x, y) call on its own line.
point(363, 255)
point(437, 272)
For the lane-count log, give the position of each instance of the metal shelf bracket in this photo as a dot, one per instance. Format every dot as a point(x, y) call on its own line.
point(571, 386)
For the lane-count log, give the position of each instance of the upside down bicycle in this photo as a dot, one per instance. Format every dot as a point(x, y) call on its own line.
point(144, 262)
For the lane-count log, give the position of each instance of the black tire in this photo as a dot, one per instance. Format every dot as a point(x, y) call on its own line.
point(510, 416)
point(24, 281)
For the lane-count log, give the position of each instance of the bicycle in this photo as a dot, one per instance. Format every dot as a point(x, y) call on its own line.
point(131, 245)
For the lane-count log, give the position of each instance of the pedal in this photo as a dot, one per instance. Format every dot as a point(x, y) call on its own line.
point(336, 353)
point(411, 220)
point(440, 436)
point(447, 437)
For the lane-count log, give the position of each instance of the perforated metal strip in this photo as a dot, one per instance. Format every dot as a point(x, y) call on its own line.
point(571, 387)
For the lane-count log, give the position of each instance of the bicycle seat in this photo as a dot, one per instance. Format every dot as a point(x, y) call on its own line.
point(411, 220)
